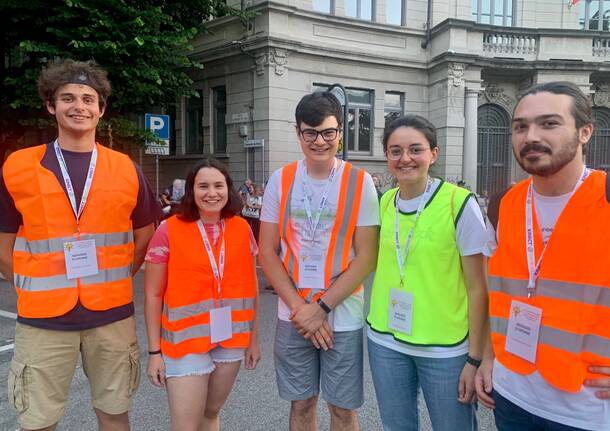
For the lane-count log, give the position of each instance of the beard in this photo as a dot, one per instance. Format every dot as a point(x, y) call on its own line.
point(558, 158)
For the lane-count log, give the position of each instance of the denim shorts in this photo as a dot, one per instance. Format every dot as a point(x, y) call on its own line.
point(300, 368)
point(199, 364)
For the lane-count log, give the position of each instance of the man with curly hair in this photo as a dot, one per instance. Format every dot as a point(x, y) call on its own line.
point(75, 220)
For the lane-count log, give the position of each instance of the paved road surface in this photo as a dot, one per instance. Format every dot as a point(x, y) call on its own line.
point(253, 405)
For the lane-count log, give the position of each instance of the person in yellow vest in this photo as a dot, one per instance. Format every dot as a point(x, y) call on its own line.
point(428, 309)
point(548, 276)
point(201, 299)
point(321, 215)
point(71, 263)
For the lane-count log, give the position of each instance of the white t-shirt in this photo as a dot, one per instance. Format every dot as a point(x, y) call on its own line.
point(471, 239)
point(532, 393)
point(349, 315)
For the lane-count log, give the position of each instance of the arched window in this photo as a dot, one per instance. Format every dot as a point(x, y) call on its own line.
point(493, 149)
point(598, 148)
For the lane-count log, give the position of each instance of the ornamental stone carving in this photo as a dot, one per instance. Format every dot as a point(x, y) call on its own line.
point(275, 57)
point(494, 93)
point(601, 97)
point(456, 74)
point(279, 58)
point(261, 61)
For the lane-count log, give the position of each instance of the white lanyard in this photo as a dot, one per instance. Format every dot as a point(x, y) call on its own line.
point(218, 272)
point(313, 222)
point(534, 269)
point(70, 188)
point(399, 253)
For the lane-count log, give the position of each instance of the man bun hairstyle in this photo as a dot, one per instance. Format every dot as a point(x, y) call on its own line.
point(582, 111)
point(58, 74)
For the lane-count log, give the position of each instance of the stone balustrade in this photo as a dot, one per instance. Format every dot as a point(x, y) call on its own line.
point(509, 43)
point(601, 47)
point(519, 43)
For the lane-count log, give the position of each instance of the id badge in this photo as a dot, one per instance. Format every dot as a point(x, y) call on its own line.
point(81, 259)
point(400, 310)
point(221, 327)
point(523, 330)
point(311, 268)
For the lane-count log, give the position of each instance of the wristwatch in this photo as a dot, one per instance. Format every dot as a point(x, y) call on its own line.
point(472, 361)
point(323, 305)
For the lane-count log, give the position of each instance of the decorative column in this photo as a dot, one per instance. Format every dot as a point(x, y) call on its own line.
point(469, 157)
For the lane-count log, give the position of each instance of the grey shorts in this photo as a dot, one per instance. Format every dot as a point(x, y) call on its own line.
point(300, 367)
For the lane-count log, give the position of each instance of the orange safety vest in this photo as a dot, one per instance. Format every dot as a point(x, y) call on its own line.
point(192, 289)
point(39, 267)
point(573, 289)
point(342, 234)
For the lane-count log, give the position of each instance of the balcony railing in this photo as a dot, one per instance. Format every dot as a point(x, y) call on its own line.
point(601, 47)
point(527, 44)
point(509, 43)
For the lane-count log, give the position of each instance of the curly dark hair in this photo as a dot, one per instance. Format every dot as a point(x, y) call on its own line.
point(188, 210)
point(58, 74)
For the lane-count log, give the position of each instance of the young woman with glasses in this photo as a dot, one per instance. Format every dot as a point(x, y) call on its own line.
point(429, 299)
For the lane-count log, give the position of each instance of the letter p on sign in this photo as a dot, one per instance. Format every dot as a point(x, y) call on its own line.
point(159, 125)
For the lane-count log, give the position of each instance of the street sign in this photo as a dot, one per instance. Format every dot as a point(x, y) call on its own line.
point(159, 125)
point(254, 143)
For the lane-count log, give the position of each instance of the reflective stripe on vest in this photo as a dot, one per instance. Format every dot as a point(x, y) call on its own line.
point(191, 310)
point(568, 341)
point(350, 193)
point(200, 331)
point(56, 245)
point(40, 284)
point(587, 294)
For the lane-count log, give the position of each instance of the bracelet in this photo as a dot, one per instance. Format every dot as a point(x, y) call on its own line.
point(472, 361)
point(154, 352)
point(323, 305)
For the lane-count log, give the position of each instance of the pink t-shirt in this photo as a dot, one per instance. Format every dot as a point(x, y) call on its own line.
point(158, 247)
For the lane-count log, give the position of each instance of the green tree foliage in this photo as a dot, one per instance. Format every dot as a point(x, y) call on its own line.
point(144, 45)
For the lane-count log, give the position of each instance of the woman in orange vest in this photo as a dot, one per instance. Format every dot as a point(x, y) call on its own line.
point(201, 299)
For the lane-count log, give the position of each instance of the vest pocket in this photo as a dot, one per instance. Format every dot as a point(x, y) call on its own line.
point(134, 374)
point(17, 387)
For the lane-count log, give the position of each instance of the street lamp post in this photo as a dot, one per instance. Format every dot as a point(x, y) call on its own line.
point(339, 92)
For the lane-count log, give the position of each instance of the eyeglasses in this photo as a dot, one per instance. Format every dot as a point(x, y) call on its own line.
point(310, 135)
point(396, 153)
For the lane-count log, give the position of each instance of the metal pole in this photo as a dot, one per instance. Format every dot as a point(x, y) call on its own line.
point(345, 130)
point(157, 174)
point(343, 100)
point(263, 161)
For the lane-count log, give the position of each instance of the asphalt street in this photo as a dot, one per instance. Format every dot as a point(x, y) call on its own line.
point(254, 404)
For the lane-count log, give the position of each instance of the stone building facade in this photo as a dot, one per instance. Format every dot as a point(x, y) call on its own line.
point(460, 63)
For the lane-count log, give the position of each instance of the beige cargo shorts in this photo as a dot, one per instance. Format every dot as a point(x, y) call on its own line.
point(45, 360)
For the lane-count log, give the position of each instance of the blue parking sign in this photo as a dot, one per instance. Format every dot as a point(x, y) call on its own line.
point(159, 125)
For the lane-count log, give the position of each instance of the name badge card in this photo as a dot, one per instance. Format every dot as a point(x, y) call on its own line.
point(221, 327)
point(400, 311)
point(311, 268)
point(523, 330)
point(81, 260)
